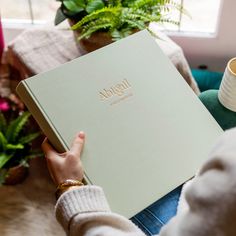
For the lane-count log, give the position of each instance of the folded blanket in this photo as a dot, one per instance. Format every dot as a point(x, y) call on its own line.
point(43, 49)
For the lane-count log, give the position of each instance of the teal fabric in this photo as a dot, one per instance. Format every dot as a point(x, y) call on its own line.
point(225, 117)
point(207, 79)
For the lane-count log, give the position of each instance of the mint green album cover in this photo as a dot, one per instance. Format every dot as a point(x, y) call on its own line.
point(147, 132)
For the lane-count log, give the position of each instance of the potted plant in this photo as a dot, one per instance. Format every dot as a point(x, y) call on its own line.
point(112, 20)
point(15, 142)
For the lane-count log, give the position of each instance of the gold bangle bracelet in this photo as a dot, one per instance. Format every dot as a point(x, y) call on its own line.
point(64, 186)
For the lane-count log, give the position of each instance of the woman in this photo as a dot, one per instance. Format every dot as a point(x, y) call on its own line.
point(211, 197)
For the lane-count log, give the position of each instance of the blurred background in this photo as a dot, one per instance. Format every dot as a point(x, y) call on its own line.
point(206, 29)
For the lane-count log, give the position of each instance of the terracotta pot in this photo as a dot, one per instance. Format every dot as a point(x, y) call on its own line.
point(94, 42)
point(16, 175)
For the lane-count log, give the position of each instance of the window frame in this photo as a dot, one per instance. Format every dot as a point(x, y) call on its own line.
point(29, 23)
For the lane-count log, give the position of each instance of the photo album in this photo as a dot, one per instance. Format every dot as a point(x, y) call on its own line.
point(146, 130)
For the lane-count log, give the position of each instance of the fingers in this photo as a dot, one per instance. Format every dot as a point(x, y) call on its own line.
point(76, 147)
point(48, 149)
point(78, 144)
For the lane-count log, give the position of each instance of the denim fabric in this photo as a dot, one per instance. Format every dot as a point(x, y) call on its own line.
point(151, 219)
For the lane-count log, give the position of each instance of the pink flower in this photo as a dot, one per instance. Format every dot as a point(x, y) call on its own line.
point(4, 105)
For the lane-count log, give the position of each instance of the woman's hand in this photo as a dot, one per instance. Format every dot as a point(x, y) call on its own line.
point(63, 166)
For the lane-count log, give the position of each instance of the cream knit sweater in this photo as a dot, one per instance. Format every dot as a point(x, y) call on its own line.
point(211, 200)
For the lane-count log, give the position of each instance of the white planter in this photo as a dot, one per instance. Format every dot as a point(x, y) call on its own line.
point(227, 91)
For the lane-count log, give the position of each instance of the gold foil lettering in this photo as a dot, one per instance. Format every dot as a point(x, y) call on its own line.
point(117, 89)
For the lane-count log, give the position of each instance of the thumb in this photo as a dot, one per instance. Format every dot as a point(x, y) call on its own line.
point(78, 143)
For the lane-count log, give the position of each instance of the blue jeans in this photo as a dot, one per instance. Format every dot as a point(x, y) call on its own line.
point(151, 219)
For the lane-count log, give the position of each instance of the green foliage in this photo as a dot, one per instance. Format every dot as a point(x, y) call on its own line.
point(71, 8)
point(31, 155)
point(16, 126)
point(15, 142)
point(3, 122)
point(117, 17)
point(94, 5)
point(3, 175)
point(4, 158)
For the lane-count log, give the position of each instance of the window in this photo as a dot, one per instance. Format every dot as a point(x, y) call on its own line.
point(201, 16)
point(204, 14)
point(29, 11)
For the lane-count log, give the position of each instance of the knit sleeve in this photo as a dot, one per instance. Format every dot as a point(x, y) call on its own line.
point(211, 197)
point(85, 211)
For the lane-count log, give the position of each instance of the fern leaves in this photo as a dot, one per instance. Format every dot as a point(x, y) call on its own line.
point(28, 138)
point(16, 126)
point(107, 13)
point(121, 18)
point(4, 158)
point(93, 27)
point(3, 123)
point(3, 142)
point(15, 142)
point(13, 146)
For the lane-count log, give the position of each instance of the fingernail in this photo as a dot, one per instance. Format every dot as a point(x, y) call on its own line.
point(81, 134)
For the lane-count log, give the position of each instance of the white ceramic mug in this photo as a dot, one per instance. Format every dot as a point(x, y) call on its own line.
point(227, 91)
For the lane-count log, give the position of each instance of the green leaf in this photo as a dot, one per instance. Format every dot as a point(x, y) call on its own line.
point(127, 3)
point(60, 17)
point(107, 13)
point(16, 126)
point(28, 138)
point(3, 175)
point(93, 29)
point(94, 5)
point(24, 163)
point(3, 123)
point(34, 155)
point(113, 3)
point(3, 142)
point(80, 3)
point(117, 35)
point(14, 146)
point(73, 7)
point(122, 17)
point(4, 158)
